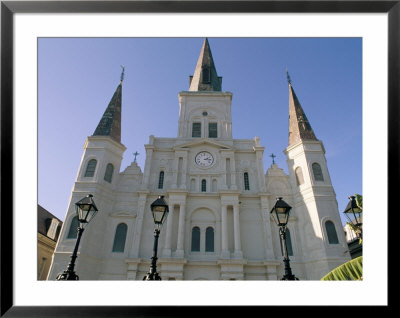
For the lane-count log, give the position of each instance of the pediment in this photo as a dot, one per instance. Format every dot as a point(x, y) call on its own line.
point(202, 142)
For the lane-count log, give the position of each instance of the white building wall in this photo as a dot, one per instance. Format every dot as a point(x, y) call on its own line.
point(246, 241)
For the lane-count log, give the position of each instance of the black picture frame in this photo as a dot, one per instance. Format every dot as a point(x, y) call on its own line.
point(9, 8)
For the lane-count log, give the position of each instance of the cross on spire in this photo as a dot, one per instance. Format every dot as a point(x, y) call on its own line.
point(288, 77)
point(273, 157)
point(123, 73)
point(135, 154)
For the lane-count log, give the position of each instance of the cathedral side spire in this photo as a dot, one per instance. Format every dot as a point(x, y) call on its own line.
point(299, 126)
point(110, 122)
point(205, 77)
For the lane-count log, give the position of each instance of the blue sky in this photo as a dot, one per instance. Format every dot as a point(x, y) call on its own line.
point(78, 76)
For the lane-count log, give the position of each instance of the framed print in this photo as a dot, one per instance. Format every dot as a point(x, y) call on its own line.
point(52, 55)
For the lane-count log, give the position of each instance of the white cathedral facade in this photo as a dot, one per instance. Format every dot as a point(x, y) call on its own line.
point(219, 225)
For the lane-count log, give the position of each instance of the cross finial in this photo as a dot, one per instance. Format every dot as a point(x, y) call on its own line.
point(123, 73)
point(273, 157)
point(288, 77)
point(135, 154)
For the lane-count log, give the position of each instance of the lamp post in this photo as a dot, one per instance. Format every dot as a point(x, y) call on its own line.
point(280, 213)
point(85, 212)
point(159, 209)
point(353, 213)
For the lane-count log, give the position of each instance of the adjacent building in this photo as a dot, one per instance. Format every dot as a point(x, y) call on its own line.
point(49, 228)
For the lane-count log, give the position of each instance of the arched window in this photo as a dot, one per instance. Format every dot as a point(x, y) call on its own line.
point(161, 180)
point(316, 168)
point(109, 173)
point(246, 181)
point(73, 228)
point(299, 176)
point(288, 241)
point(210, 239)
point(195, 239)
point(90, 168)
point(119, 238)
point(331, 233)
point(203, 185)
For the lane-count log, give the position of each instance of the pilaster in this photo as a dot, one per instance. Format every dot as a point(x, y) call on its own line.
point(134, 253)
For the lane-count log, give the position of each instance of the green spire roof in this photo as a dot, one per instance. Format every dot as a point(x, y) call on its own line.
point(205, 76)
point(299, 126)
point(110, 123)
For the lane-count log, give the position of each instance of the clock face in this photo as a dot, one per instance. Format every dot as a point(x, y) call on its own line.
point(204, 159)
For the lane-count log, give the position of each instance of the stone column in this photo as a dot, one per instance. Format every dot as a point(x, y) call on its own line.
point(236, 228)
point(168, 235)
point(181, 231)
point(224, 233)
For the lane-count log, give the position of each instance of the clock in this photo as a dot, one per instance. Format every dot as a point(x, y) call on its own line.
point(204, 159)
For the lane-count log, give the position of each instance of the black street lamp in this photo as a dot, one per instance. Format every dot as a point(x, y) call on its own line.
point(280, 213)
point(353, 213)
point(159, 209)
point(85, 212)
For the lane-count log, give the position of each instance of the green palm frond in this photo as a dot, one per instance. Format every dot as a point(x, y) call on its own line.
point(351, 270)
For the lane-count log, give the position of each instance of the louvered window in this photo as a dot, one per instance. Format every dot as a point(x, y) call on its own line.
point(246, 181)
point(196, 130)
point(317, 171)
point(203, 185)
point(109, 173)
point(90, 168)
point(212, 130)
point(206, 78)
point(331, 233)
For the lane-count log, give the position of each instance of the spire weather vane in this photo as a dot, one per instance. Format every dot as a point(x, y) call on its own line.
point(273, 157)
point(123, 73)
point(288, 77)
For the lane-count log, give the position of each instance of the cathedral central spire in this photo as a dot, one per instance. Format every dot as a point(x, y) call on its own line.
point(110, 122)
point(299, 126)
point(205, 77)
